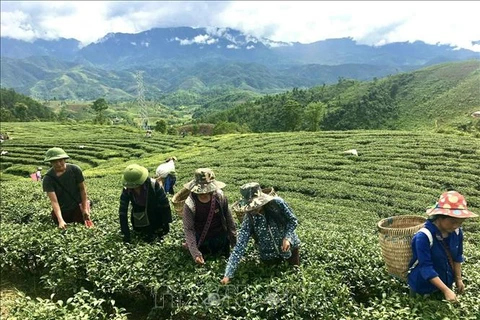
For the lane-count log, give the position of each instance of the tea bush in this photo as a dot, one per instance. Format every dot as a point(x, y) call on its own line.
point(337, 198)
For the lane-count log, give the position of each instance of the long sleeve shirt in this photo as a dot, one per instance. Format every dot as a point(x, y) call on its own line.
point(153, 199)
point(227, 221)
point(433, 262)
point(276, 223)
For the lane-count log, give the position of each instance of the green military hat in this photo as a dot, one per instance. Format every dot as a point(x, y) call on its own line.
point(134, 176)
point(55, 154)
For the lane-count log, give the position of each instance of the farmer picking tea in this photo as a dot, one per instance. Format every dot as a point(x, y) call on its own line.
point(207, 220)
point(166, 175)
point(438, 249)
point(272, 224)
point(150, 215)
point(65, 187)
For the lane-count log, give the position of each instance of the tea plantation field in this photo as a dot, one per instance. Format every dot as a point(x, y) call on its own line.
point(91, 274)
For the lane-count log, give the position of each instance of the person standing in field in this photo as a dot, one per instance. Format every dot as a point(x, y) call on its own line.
point(207, 220)
point(65, 187)
point(271, 222)
point(150, 214)
point(438, 249)
point(38, 174)
point(166, 175)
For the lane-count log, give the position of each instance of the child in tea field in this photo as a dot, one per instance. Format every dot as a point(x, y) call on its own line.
point(271, 222)
point(207, 220)
point(38, 174)
point(166, 175)
point(438, 250)
point(65, 187)
point(151, 214)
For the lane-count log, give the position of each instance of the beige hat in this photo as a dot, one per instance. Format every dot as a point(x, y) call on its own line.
point(253, 198)
point(204, 182)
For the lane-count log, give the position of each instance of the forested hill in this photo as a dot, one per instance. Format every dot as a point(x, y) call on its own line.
point(444, 94)
point(18, 107)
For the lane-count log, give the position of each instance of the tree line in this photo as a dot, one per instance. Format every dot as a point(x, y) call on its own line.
point(18, 107)
point(347, 105)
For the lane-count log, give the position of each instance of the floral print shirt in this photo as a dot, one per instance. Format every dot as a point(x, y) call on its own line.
point(276, 223)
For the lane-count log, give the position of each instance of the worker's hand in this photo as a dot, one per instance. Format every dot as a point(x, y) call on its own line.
point(86, 215)
point(450, 295)
point(460, 286)
point(199, 260)
point(225, 280)
point(285, 245)
point(62, 224)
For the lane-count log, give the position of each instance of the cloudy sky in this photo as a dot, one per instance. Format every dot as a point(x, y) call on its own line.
point(368, 22)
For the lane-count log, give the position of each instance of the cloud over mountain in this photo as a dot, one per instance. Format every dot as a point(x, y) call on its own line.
point(367, 22)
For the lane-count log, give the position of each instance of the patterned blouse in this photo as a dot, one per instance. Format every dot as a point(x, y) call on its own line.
point(270, 231)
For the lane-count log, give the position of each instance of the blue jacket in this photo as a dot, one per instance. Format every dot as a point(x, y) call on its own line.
point(433, 262)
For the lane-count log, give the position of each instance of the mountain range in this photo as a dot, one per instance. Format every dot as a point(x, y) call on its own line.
point(200, 60)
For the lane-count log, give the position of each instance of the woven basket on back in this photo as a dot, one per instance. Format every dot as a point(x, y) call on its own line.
point(178, 200)
point(269, 191)
point(395, 238)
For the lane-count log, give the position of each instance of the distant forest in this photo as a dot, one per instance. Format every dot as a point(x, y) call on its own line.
point(18, 107)
point(443, 95)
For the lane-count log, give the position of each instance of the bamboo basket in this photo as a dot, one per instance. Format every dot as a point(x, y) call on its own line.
point(178, 200)
point(395, 238)
point(269, 191)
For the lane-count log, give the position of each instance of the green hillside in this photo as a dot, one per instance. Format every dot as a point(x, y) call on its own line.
point(48, 78)
point(444, 93)
point(338, 199)
point(438, 96)
point(17, 107)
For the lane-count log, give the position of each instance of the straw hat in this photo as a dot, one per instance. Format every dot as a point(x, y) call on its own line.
point(253, 198)
point(453, 204)
point(134, 176)
point(204, 182)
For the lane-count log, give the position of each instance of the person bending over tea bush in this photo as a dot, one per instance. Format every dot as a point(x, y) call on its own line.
point(438, 249)
point(166, 175)
point(65, 187)
point(207, 220)
point(272, 224)
point(150, 215)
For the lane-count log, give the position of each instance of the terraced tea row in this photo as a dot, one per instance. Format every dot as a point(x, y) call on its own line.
point(337, 197)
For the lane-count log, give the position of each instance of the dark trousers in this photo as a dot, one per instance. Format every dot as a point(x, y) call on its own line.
point(294, 259)
point(151, 233)
point(70, 216)
point(218, 245)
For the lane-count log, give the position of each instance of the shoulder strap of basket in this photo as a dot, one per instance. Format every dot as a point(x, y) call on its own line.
point(209, 221)
point(152, 182)
point(430, 240)
point(428, 234)
point(254, 234)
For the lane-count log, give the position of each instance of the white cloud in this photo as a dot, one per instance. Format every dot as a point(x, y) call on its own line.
point(200, 39)
point(368, 22)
